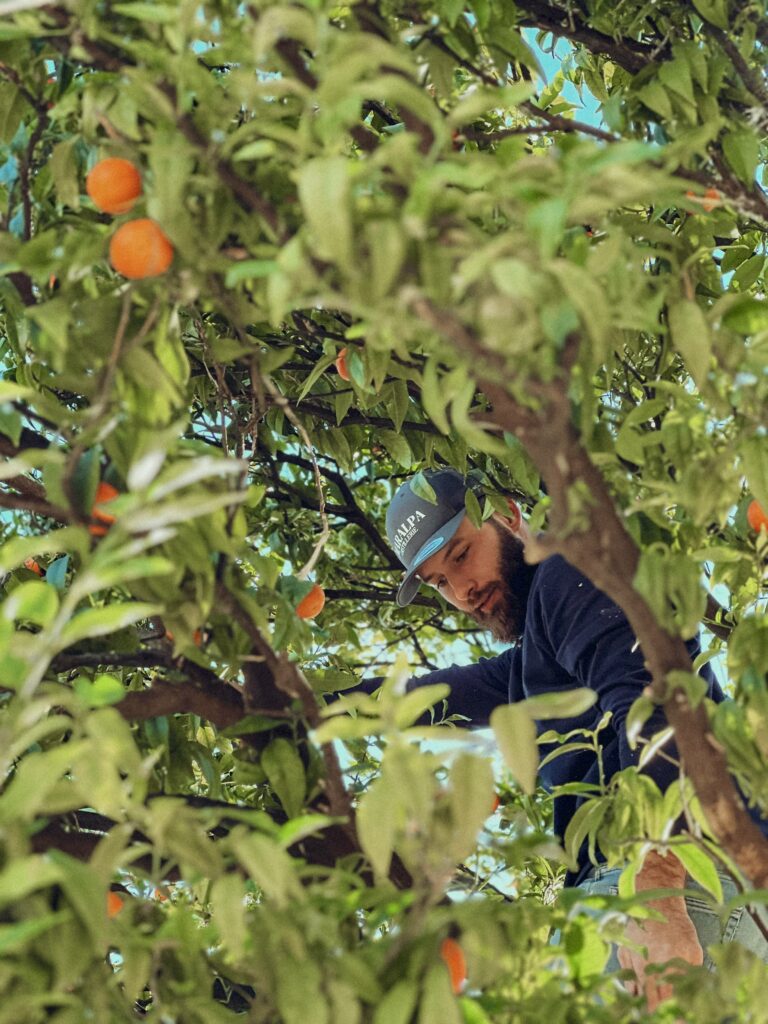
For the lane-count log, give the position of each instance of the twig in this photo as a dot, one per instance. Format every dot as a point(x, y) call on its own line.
point(282, 402)
point(752, 81)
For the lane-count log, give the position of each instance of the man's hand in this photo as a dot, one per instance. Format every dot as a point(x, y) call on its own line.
point(665, 940)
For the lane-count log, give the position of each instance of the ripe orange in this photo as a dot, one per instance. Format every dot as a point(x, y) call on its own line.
point(496, 803)
point(115, 903)
point(710, 201)
point(114, 185)
point(341, 365)
point(31, 564)
point(756, 516)
point(104, 492)
point(312, 603)
point(197, 638)
point(140, 248)
point(452, 956)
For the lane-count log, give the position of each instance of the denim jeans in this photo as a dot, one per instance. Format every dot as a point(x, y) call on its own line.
point(739, 926)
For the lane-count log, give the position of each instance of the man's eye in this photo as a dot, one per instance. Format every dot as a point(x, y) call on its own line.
point(461, 556)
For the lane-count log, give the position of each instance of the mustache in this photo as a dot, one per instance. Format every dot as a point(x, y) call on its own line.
point(483, 596)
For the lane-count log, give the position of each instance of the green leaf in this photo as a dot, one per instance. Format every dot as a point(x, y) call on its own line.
point(472, 505)
point(14, 936)
point(103, 621)
point(701, 868)
point(438, 1005)
point(24, 875)
point(655, 96)
point(433, 397)
point(387, 247)
point(103, 691)
point(691, 337)
point(713, 11)
point(472, 1012)
point(271, 868)
point(410, 707)
point(325, 198)
point(228, 906)
point(742, 151)
point(423, 489)
point(282, 764)
point(63, 165)
point(560, 703)
point(249, 270)
point(749, 316)
point(641, 710)
point(34, 601)
point(398, 1004)
point(163, 14)
point(33, 780)
point(471, 795)
point(378, 818)
point(515, 734)
point(398, 447)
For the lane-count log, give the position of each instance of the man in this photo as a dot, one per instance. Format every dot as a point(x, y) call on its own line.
point(566, 633)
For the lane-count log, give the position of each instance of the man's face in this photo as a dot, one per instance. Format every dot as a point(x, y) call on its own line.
point(482, 572)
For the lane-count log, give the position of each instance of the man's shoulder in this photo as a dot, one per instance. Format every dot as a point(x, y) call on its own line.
point(559, 589)
point(555, 571)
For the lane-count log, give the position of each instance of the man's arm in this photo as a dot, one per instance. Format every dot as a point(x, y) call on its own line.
point(475, 689)
point(665, 940)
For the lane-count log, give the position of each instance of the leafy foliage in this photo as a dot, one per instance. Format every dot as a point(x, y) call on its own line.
point(523, 290)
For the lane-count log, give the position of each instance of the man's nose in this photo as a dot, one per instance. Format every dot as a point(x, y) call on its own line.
point(464, 587)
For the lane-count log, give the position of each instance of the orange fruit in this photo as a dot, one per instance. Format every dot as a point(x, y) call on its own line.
point(140, 248)
point(341, 365)
point(452, 956)
point(104, 492)
point(197, 638)
point(114, 185)
point(312, 603)
point(115, 903)
point(31, 564)
point(496, 803)
point(711, 200)
point(756, 517)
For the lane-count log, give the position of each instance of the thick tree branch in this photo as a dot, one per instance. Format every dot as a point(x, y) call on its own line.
point(221, 705)
point(627, 53)
point(37, 506)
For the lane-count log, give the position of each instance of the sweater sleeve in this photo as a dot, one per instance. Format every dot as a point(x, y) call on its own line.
point(475, 689)
point(592, 640)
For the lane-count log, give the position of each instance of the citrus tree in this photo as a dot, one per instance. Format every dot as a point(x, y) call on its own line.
point(260, 262)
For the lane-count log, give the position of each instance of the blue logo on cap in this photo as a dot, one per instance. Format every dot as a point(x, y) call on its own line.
point(427, 549)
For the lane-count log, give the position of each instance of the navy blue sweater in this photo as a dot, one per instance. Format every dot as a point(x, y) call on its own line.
point(574, 635)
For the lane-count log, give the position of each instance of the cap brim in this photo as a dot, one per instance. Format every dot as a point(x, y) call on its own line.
point(411, 582)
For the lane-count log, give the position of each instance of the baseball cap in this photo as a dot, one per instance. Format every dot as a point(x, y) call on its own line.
point(418, 527)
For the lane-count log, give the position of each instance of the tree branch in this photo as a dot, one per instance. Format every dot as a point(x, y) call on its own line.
point(629, 54)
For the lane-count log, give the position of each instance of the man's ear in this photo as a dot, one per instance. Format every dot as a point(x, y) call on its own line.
point(514, 517)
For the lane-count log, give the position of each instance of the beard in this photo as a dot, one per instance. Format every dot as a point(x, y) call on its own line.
point(506, 620)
